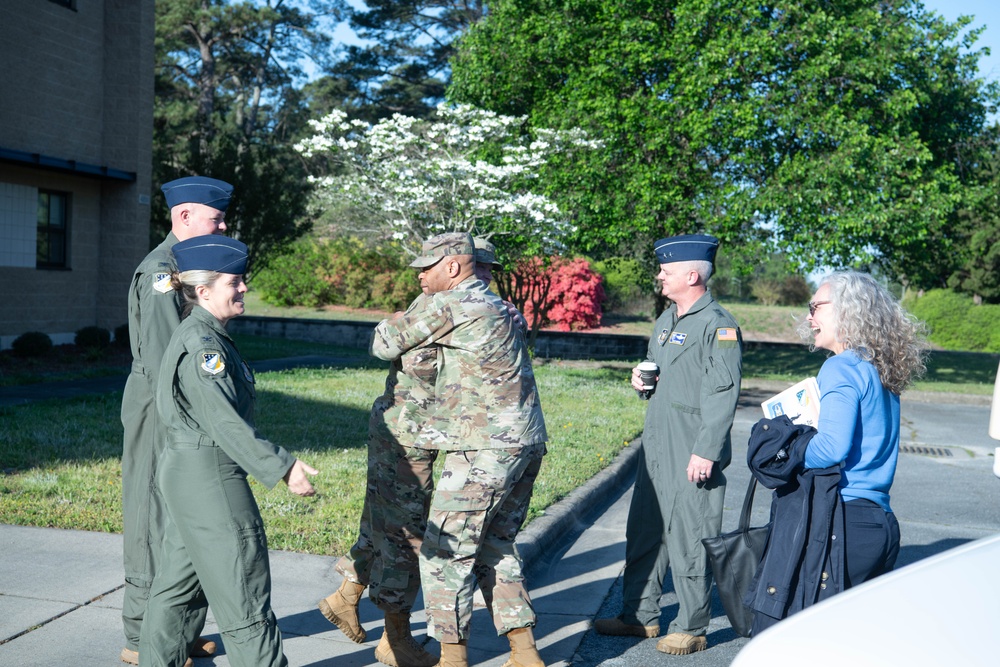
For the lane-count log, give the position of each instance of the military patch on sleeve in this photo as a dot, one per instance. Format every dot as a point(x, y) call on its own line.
point(725, 334)
point(726, 337)
point(211, 362)
point(161, 283)
point(248, 373)
point(678, 338)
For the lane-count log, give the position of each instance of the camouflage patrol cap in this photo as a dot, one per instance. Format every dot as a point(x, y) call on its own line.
point(443, 245)
point(486, 253)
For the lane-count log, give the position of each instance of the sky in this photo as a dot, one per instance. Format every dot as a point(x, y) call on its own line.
point(985, 12)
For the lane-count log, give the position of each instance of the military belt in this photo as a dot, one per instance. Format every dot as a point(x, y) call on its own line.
point(189, 441)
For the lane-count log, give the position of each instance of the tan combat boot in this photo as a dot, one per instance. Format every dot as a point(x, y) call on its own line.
point(131, 657)
point(203, 648)
point(681, 643)
point(615, 626)
point(398, 648)
point(522, 649)
point(341, 609)
point(454, 655)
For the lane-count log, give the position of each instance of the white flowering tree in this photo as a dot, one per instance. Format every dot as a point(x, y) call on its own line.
point(465, 169)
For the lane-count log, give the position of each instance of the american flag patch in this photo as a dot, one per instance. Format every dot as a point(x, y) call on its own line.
point(725, 334)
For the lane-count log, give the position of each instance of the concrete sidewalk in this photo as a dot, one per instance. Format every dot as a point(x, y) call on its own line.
point(61, 591)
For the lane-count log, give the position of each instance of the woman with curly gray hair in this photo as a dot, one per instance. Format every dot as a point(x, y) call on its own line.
point(878, 349)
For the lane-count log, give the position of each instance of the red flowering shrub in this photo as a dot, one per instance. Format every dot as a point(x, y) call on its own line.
point(566, 293)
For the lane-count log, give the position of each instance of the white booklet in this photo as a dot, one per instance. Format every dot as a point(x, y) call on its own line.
point(800, 403)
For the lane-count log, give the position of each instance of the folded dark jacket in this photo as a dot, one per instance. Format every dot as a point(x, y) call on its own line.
point(804, 557)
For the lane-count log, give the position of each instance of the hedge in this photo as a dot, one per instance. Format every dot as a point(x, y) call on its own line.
point(956, 322)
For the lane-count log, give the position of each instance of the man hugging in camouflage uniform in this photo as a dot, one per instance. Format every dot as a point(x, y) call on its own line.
point(488, 421)
point(384, 557)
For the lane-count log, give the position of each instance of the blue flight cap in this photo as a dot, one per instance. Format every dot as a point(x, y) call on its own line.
point(212, 252)
point(198, 190)
point(686, 248)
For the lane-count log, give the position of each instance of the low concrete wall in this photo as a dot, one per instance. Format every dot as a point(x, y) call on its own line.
point(550, 344)
point(332, 332)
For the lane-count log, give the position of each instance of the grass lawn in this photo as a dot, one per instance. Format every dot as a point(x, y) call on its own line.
point(61, 459)
point(949, 372)
point(67, 362)
point(256, 306)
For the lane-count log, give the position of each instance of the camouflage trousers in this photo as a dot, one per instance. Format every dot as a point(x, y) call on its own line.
point(479, 504)
point(393, 521)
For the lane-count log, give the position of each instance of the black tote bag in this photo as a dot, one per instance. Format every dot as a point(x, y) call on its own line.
point(735, 557)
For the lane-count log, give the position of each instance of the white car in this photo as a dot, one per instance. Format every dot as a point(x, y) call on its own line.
point(941, 611)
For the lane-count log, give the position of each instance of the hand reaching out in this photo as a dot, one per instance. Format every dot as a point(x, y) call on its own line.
point(297, 481)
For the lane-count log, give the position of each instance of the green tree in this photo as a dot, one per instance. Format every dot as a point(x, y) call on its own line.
point(976, 259)
point(403, 66)
point(828, 131)
point(405, 179)
point(227, 105)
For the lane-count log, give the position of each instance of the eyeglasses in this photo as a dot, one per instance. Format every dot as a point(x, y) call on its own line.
point(814, 305)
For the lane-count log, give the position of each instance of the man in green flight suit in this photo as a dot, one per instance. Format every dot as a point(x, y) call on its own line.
point(197, 207)
point(680, 486)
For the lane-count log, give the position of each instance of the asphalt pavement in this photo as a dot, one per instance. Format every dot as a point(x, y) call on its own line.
point(61, 590)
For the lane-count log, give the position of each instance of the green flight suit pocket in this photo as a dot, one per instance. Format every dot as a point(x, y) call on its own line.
point(719, 376)
point(254, 562)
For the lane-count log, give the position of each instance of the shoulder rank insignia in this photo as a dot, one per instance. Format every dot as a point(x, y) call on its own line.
point(728, 333)
point(211, 362)
point(677, 338)
point(161, 283)
point(662, 338)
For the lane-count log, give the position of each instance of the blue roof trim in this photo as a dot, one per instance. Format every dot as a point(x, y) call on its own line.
point(66, 166)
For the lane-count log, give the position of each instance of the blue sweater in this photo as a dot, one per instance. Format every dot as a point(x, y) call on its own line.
point(858, 427)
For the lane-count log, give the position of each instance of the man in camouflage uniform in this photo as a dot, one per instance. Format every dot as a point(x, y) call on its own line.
point(385, 555)
point(197, 207)
point(489, 422)
point(680, 486)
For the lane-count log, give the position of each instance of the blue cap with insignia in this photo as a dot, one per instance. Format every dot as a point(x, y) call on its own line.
point(198, 190)
point(686, 248)
point(211, 252)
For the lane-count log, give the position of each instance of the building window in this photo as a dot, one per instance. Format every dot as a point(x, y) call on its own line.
point(18, 215)
point(53, 221)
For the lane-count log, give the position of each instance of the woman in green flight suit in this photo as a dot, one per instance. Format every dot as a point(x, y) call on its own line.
point(214, 545)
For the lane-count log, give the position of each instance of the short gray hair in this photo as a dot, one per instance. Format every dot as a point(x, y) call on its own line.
point(700, 266)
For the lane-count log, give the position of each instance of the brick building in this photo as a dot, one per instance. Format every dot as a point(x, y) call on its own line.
point(76, 124)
